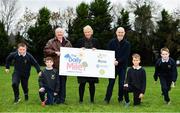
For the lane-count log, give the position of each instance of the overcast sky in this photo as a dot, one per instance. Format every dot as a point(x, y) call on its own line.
point(54, 5)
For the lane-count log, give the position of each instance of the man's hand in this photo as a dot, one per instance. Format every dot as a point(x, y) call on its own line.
point(115, 62)
point(42, 89)
point(93, 48)
point(141, 95)
point(7, 70)
point(58, 53)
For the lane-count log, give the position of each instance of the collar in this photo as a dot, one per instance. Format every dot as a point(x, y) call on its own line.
point(139, 67)
point(22, 55)
point(47, 68)
point(163, 60)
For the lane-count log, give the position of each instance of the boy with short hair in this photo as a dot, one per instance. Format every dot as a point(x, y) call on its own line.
point(135, 81)
point(166, 70)
point(22, 67)
point(48, 83)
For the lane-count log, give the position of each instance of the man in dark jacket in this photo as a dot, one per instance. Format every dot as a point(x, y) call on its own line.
point(22, 66)
point(52, 49)
point(122, 50)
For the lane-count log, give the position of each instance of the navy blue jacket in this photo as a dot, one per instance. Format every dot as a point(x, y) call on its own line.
point(49, 79)
point(136, 78)
point(122, 51)
point(168, 70)
point(22, 64)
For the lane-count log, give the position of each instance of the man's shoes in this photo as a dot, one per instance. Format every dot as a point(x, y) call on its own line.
point(26, 97)
point(106, 101)
point(17, 100)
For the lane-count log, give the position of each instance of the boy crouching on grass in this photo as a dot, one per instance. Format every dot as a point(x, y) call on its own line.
point(166, 70)
point(135, 81)
point(49, 83)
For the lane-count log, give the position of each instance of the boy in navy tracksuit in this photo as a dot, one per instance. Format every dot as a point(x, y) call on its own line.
point(48, 83)
point(22, 66)
point(166, 70)
point(135, 81)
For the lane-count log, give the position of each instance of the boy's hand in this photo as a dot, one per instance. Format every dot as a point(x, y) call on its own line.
point(40, 73)
point(141, 95)
point(7, 70)
point(41, 89)
point(55, 94)
point(125, 85)
point(173, 84)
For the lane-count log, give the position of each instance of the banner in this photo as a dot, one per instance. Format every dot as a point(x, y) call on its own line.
point(87, 62)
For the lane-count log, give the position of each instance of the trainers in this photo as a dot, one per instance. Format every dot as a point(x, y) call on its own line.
point(168, 103)
point(127, 104)
point(43, 103)
point(17, 100)
point(26, 97)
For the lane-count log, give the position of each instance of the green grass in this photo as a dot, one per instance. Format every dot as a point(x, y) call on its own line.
point(152, 102)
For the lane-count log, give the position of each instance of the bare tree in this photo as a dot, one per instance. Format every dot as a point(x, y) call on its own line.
point(8, 10)
point(27, 20)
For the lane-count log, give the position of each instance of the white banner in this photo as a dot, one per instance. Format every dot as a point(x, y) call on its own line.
point(87, 62)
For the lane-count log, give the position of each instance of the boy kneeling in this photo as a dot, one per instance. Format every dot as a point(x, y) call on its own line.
point(135, 81)
point(49, 83)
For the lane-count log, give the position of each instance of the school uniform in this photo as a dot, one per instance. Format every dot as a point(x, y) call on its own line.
point(167, 73)
point(122, 51)
point(87, 43)
point(49, 80)
point(22, 67)
point(136, 80)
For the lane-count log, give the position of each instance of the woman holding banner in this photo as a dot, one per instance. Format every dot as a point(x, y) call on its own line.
point(90, 43)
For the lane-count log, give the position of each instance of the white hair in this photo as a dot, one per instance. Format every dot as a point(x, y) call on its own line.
point(59, 30)
point(88, 27)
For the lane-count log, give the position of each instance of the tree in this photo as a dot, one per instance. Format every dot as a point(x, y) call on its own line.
point(144, 27)
point(82, 19)
point(8, 11)
point(40, 33)
point(123, 20)
point(3, 43)
point(101, 20)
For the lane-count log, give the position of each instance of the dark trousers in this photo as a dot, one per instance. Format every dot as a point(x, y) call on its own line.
point(16, 80)
point(50, 96)
point(121, 74)
point(165, 87)
point(136, 92)
point(62, 90)
point(91, 90)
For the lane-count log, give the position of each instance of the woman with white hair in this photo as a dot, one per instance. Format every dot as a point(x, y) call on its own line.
point(90, 43)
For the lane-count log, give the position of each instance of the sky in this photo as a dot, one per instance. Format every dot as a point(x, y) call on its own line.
point(55, 5)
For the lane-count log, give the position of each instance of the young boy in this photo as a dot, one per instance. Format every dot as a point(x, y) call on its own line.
point(135, 81)
point(49, 83)
point(22, 66)
point(166, 70)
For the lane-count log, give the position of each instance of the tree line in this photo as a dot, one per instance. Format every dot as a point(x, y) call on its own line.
point(147, 28)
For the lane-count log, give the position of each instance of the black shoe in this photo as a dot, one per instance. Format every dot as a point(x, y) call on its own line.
point(26, 97)
point(106, 101)
point(17, 100)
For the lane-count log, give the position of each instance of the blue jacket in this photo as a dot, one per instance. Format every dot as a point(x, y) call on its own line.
point(122, 51)
point(22, 64)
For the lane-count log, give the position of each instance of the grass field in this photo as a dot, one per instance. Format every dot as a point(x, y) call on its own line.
point(152, 102)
